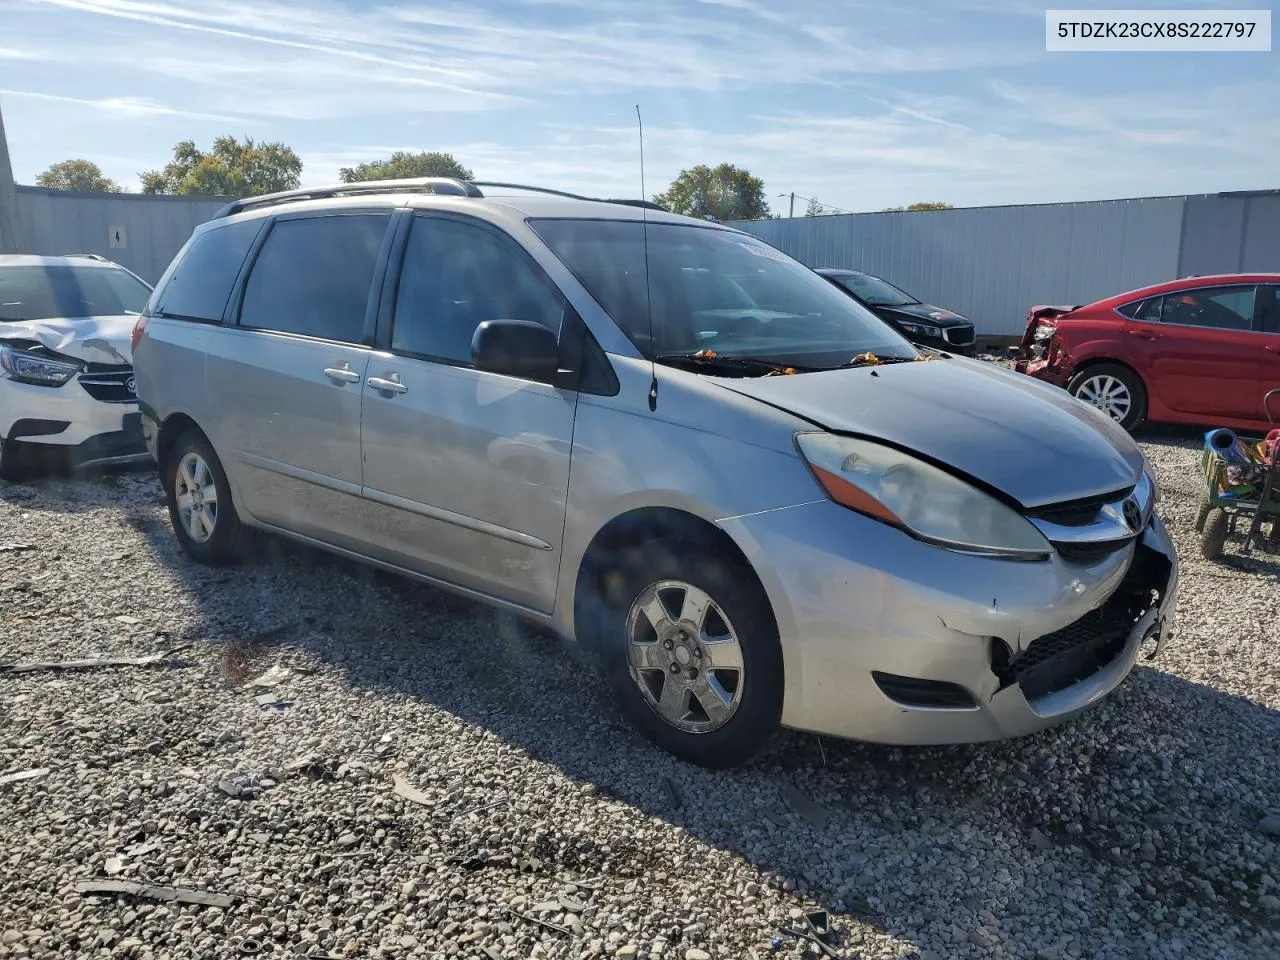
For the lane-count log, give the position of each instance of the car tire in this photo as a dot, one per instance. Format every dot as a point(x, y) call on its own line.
point(1113, 389)
point(1214, 537)
point(208, 529)
point(726, 712)
point(15, 465)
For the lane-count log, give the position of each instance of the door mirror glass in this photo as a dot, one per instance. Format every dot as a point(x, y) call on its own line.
point(517, 348)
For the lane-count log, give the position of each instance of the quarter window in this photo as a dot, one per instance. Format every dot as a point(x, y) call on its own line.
point(456, 276)
point(199, 284)
point(313, 276)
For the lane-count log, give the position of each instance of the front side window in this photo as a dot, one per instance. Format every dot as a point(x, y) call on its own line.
point(313, 276)
point(198, 284)
point(709, 289)
point(45, 292)
point(456, 276)
point(1223, 308)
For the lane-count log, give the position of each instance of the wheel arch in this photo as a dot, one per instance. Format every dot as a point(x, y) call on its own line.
point(595, 577)
point(171, 428)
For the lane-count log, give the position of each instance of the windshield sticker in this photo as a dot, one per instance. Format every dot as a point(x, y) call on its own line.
point(761, 250)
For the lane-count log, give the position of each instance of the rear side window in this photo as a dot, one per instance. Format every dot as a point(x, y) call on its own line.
point(313, 276)
point(199, 285)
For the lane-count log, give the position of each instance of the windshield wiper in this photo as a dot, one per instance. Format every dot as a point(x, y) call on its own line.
point(873, 360)
point(709, 358)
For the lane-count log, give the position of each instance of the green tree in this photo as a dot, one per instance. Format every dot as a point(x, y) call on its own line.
point(922, 205)
point(404, 166)
point(725, 192)
point(230, 169)
point(83, 175)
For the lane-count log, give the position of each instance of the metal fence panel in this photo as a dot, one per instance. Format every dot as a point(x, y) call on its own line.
point(139, 231)
point(992, 263)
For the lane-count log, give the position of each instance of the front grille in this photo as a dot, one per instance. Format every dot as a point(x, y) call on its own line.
point(1080, 649)
point(960, 336)
point(1090, 551)
point(109, 382)
point(1079, 513)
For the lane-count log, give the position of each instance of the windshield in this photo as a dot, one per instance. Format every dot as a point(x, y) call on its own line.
point(41, 292)
point(873, 290)
point(716, 290)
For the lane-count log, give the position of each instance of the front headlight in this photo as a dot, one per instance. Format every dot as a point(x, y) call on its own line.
point(920, 329)
point(32, 368)
point(917, 497)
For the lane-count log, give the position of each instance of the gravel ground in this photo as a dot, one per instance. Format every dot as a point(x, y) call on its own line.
point(1148, 828)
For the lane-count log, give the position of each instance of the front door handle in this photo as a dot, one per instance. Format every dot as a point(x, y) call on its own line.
point(342, 374)
point(1143, 334)
point(391, 384)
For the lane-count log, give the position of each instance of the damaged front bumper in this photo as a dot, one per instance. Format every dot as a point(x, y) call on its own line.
point(1041, 352)
point(888, 639)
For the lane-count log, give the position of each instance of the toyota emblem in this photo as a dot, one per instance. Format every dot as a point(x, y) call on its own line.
point(1133, 514)
point(131, 385)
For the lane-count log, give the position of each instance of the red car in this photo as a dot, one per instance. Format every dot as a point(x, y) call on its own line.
point(1203, 350)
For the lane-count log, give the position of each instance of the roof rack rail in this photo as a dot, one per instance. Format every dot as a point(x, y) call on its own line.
point(647, 204)
point(87, 256)
point(448, 186)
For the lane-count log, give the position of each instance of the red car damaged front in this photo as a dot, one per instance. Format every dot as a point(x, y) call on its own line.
point(1043, 354)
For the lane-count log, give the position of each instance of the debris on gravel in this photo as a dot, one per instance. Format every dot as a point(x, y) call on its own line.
point(450, 782)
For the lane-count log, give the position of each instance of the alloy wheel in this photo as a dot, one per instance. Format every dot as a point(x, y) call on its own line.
point(1108, 394)
point(196, 495)
point(685, 657)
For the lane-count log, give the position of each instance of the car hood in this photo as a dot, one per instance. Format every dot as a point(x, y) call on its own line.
point(1033, 442)
point(926, 312)
point(91, 339)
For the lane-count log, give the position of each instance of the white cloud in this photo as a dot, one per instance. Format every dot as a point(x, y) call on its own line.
point(126, 107)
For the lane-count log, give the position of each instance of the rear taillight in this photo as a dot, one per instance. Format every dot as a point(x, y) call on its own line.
point(138, 328)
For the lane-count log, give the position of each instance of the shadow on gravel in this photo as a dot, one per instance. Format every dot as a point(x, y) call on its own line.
point(1134, 825)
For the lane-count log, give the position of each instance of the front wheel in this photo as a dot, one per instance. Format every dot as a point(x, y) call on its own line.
point(691, 650)
point(204, 518)
point(1115, 390)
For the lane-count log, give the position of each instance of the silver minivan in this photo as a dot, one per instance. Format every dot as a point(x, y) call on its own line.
point(755, 500)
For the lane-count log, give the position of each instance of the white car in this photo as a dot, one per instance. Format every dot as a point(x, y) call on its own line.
point(66, 364)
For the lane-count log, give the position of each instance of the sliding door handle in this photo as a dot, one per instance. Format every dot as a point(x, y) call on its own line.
point(389, 384)
point(342, 374)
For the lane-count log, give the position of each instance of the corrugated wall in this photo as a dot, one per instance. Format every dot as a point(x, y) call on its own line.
point(992, 263)
point(140, 231)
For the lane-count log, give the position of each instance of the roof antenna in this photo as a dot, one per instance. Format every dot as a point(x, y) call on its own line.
point(648, 298)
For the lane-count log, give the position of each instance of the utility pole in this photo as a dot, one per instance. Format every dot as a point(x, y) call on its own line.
point(8, 199)
point(793, 193)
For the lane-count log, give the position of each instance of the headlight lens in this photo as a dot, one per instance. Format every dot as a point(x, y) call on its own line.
point(1045, 330)
point(917, 497)
point(920, 329)
point(30, 368)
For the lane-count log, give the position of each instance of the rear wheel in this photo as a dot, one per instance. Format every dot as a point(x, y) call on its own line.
point(204, 518)
point(1115, 390)
point(691, 650)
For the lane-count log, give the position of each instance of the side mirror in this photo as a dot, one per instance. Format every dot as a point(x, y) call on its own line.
point(517, 348)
